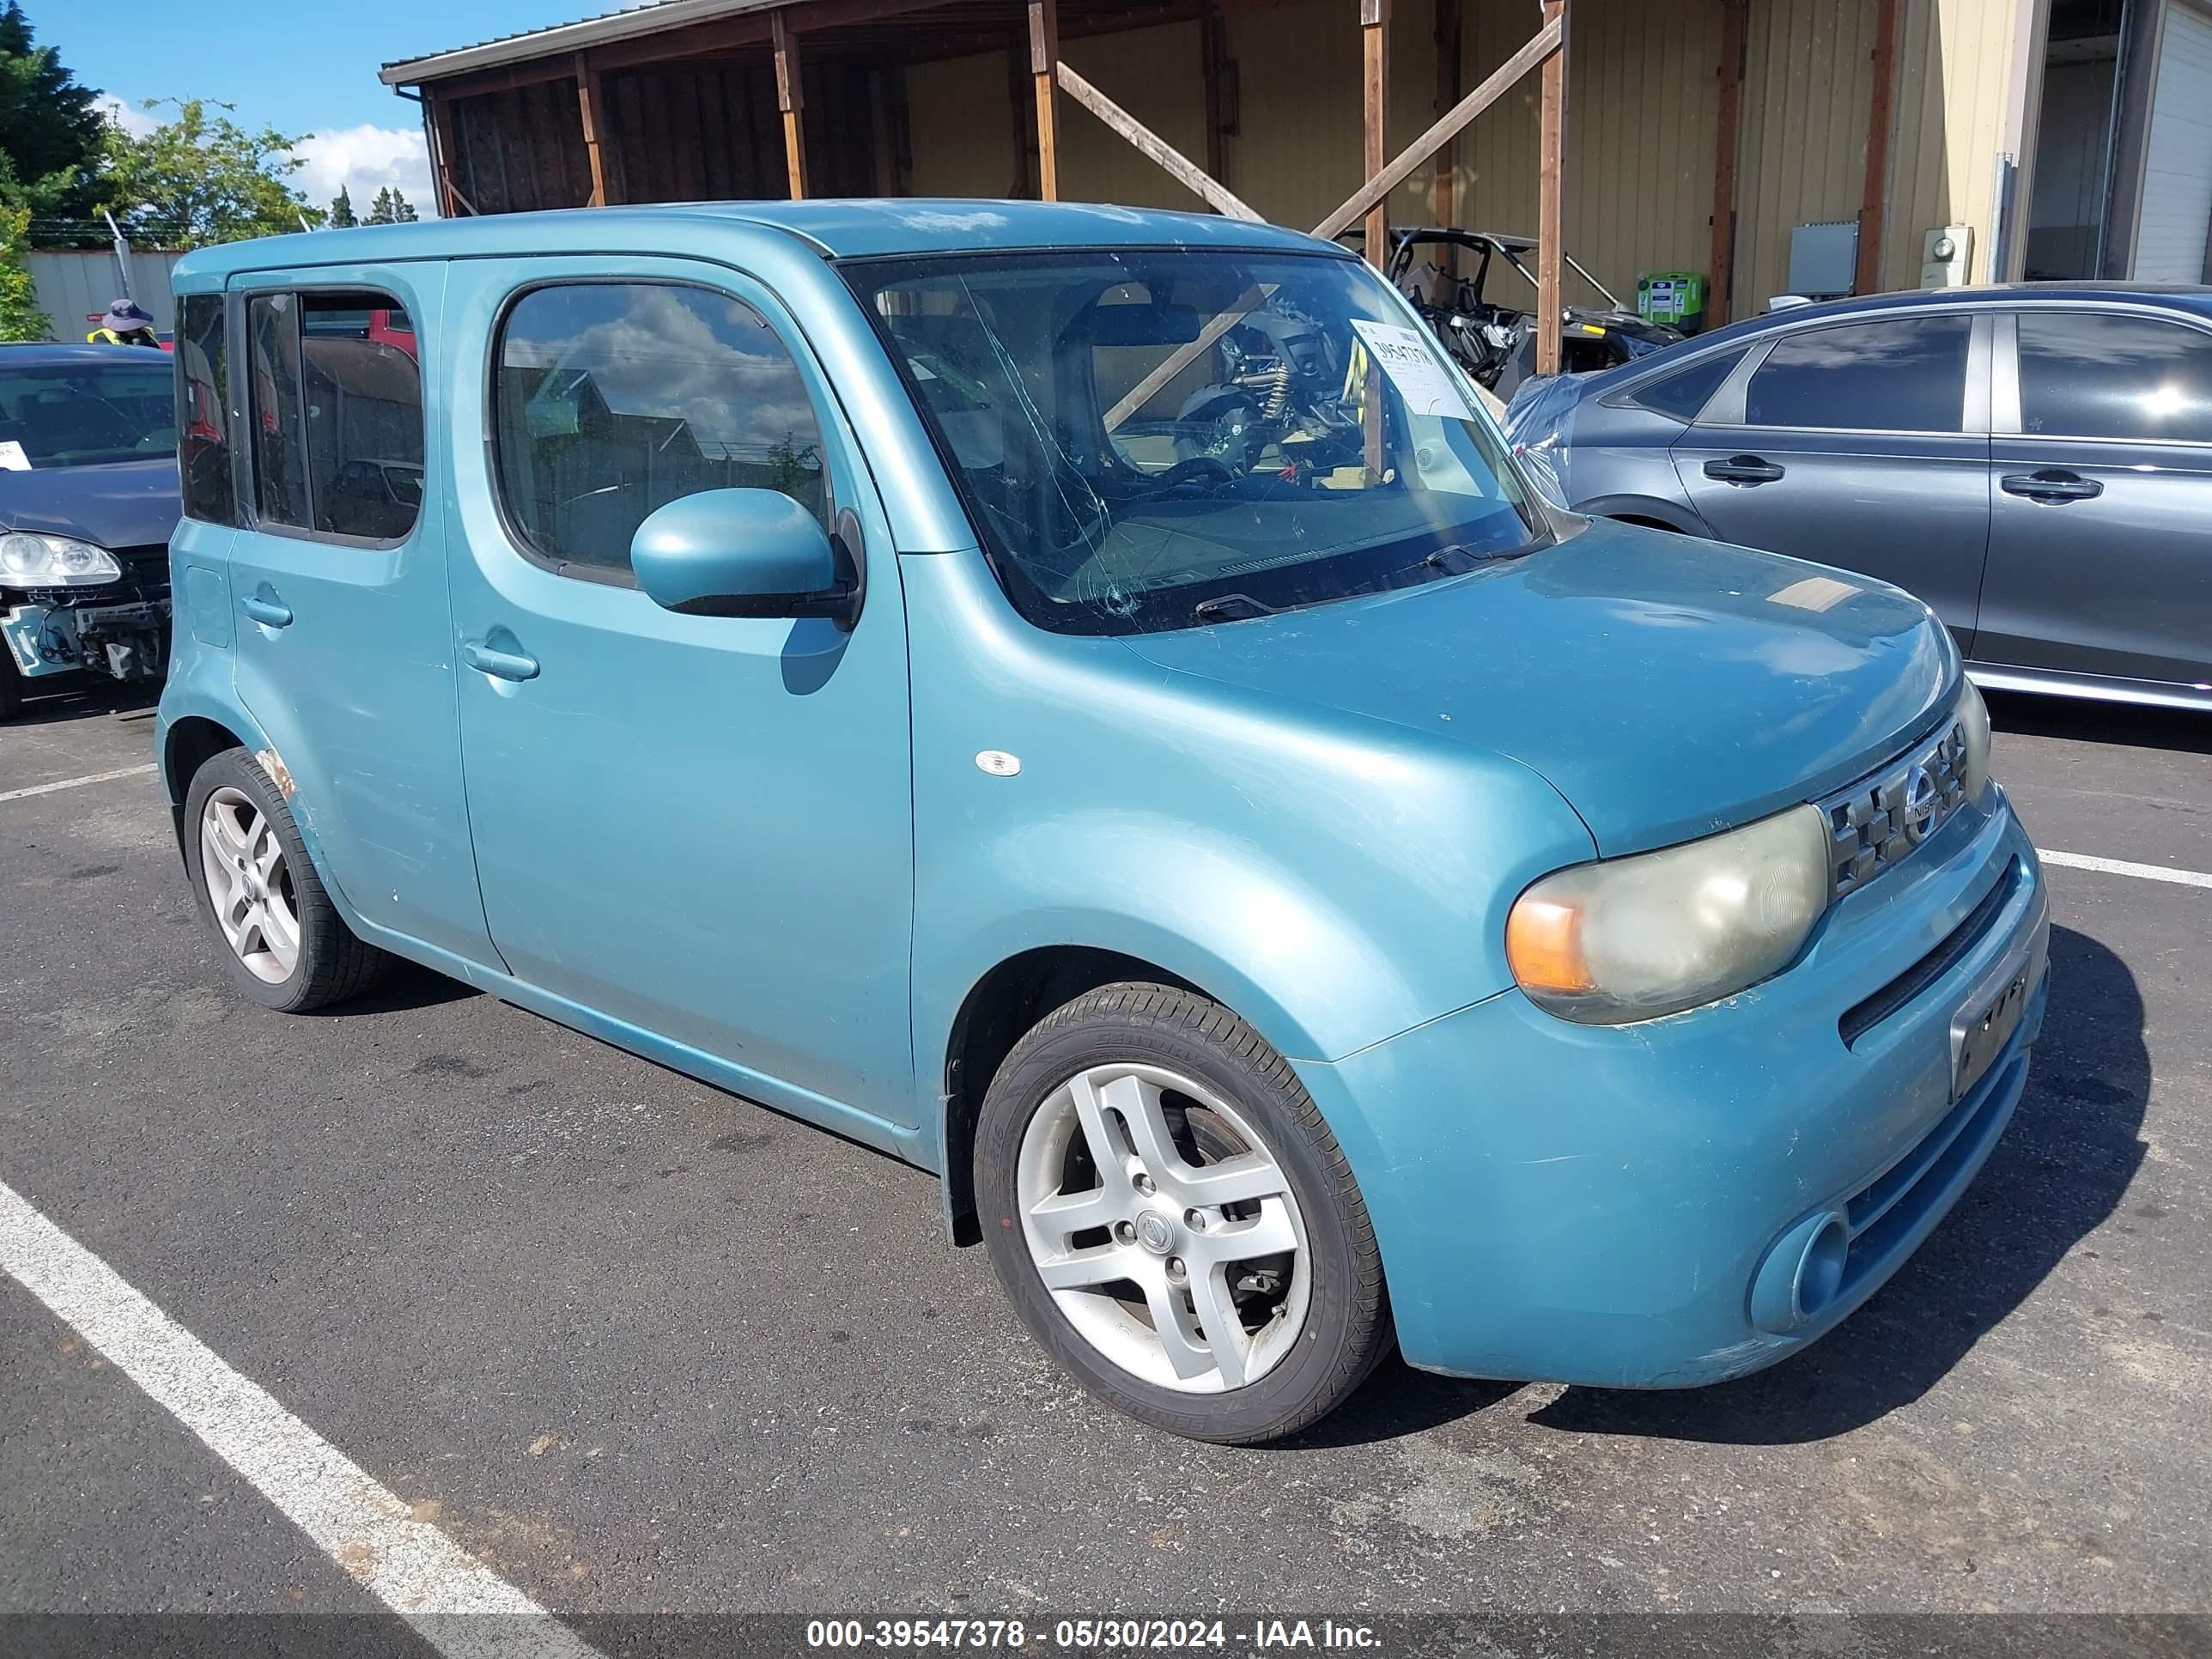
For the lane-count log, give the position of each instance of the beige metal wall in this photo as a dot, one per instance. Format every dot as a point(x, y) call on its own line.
point(1952, 98)
point(1642, 112)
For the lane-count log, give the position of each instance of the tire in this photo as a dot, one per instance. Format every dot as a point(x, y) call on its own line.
point(11, 687)
point(1181, 1093)
point(233, 809)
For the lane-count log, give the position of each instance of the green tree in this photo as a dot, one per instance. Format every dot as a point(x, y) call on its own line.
point(342, 216)
point(389, 208)
point(20, 316)
point(200, 178)
point(403, 210)
point(51, 131)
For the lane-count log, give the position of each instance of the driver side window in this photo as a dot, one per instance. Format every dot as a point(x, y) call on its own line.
point(612, 399)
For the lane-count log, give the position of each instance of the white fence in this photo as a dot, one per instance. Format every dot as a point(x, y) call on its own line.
point(74, 284)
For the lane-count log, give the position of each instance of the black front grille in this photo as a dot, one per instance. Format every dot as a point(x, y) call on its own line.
point(145, 572)
point(1862, 1018)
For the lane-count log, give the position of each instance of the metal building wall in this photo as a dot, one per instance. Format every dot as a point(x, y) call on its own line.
point(1807, 87)
point(1952, 106)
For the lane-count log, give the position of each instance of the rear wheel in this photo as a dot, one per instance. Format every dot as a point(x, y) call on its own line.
point(283, 943)
point(1174, 1220)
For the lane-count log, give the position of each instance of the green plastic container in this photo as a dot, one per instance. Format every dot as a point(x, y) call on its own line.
point(1677, 297)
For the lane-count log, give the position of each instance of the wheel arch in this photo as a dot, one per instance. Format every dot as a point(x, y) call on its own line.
point(1648, 511)
point(998, 1009)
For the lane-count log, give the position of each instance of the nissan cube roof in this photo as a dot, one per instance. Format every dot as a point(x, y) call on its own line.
point(838, 229)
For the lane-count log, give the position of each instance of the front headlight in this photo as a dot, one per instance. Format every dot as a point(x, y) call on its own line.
point(30, 560)
point(1635, 938)
point(1974, 726)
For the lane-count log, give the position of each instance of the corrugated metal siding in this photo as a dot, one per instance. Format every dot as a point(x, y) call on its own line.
point(1808, 85)
point(1951, 94)
point(962, 119)
point(72, 283)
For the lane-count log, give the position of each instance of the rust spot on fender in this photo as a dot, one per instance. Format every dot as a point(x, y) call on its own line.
point(279, 774)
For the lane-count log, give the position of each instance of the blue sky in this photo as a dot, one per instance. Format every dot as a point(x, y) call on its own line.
point(296, 66)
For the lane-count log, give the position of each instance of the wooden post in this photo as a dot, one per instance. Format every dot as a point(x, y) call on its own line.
point(441, 128)
point(590, 102)
point(1044, 60)
point(1213, 53)
point(1444, 193)
point(1874, 193)
point(1720, 267)
point(1551, 148)
point(1375, 46)
point(791, 99)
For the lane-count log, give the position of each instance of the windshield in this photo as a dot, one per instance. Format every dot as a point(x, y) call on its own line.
point(88, 413)
point(1151, 438)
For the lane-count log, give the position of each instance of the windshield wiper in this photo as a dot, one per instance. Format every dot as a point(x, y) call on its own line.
point(1230, 607)
point(1457, 560)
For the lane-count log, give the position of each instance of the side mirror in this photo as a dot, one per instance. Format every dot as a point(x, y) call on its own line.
point(746, 553)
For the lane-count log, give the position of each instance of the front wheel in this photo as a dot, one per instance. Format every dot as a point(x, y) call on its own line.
point(1175, 1222)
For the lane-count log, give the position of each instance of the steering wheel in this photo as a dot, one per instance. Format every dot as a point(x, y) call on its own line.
point(1190, 469)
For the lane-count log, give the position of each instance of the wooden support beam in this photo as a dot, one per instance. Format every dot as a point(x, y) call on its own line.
point(1443, 190)
point(1044, 63)
point(1541, 46)
point(441, 128)
point(1154, 147)
point(1735, 19)
point(791, 100)
point(1375, 120)
point(1213, 58)
point(591, 106)
point(1874, 194)
point(1551, 156)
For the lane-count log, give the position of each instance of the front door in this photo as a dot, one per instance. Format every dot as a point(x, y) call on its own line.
point(343, 650)
point(2100, 558)
point(1858, 444)
point(698, 826)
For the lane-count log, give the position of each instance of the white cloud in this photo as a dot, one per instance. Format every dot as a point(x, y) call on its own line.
point(365, 159)
point(133, 120)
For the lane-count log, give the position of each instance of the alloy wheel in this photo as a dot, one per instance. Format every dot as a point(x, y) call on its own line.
point(1164, 1228)
point(248, 884)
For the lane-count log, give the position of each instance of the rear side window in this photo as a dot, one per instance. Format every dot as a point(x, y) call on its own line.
point(1687, 390)
point(615, 398)
point(203, 400)
point(337, 417)
point(1899, 374)
point(2082, 375)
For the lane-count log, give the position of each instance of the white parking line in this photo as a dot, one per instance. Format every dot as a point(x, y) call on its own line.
point(2122, 868)
point(410, 1565)
point(77, 783)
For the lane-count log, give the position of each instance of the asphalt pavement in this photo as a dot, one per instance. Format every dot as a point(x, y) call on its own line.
point(637, 1345)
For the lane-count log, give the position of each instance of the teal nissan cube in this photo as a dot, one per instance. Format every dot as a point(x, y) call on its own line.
point(1083, 701)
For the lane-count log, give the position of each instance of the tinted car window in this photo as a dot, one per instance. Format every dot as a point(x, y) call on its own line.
point(1686, 391)
point(615, 398)
point(202, 395)
point(2083, 375)
point(337, 418)
point(94, 410)
point(280, 438)
point(1899, 374)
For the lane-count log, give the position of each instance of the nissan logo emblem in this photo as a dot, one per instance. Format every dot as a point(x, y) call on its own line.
point(1923, 797)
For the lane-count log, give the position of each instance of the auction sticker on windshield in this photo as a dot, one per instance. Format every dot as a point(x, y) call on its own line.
point(12, 456)
point(1425, 384)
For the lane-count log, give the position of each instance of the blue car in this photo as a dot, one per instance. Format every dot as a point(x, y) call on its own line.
point(1082, 700)
point(87, 499)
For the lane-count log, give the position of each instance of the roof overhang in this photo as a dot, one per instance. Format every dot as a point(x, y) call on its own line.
point(654, 17)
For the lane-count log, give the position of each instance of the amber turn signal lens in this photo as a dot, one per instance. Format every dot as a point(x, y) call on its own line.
point(1543, 946)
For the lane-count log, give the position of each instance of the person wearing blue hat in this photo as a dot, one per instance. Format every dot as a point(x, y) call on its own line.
point(125, 323)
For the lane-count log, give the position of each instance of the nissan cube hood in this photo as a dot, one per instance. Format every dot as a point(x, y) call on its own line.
point(1667, 687)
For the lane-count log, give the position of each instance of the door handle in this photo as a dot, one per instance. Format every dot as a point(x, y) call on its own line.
point(265, 608)
point(499, 664)
point(2051, 484)
point(1743, 469)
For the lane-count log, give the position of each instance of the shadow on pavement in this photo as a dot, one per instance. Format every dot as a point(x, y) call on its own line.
point(2184, 730)
point(2062, 1167)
